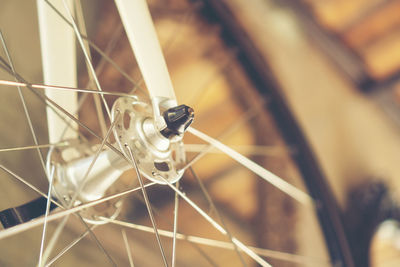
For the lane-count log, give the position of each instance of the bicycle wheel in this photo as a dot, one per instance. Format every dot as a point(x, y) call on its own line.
point(251, 219)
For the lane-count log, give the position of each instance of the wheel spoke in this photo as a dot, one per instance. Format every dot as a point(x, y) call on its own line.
point(93, 80)
point(45, 217)
point(61, 214)
point(249, 114)
point(110, 47)
point(245, 249)
point(27, 115)
point(148, 205)
point(172, 37)
point(213, 146)
point(127, 247)
point(63, 88)
point(99, 68)
point(95, 47)
point(38, 150)
point(55, 106)
point(10, 149)
point(20, 179)
point(142, 36)
point(97, 241)
point(85, 51)
point(270, 151)
point(70, 245)
point(195, 246)
point(97, 154)
point(273, 254)
point(214, 208)
point(176, 207)
point(278, 182)
point(53, 201)
point(78, 190)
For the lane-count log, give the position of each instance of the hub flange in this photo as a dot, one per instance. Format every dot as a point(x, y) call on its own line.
point(155, 154)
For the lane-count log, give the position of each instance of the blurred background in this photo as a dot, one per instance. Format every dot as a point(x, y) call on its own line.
point(337, 64)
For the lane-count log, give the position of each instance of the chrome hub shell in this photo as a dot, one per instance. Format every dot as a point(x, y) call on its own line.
point(158, 158)
point(156, 155)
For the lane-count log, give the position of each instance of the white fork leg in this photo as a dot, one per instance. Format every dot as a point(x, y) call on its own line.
point(59, 64)
point(142, 36)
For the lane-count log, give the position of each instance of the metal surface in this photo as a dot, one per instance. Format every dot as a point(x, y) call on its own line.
point(156, 155)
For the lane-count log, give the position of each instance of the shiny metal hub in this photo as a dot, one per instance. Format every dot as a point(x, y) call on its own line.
point(156, 155)
point(156, 145)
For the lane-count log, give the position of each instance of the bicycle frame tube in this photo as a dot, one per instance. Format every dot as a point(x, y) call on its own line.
point(59, 68)
point(142, 36)
point(57, 41)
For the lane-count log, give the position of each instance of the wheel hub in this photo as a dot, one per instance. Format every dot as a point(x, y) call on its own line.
point(156, 154)
point(156, 147)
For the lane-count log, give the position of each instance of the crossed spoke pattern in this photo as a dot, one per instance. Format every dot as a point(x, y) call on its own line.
point(244, 254)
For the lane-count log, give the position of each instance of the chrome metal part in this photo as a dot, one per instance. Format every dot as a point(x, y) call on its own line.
point(156, 155)
point(71, 164)
point(84, 172)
